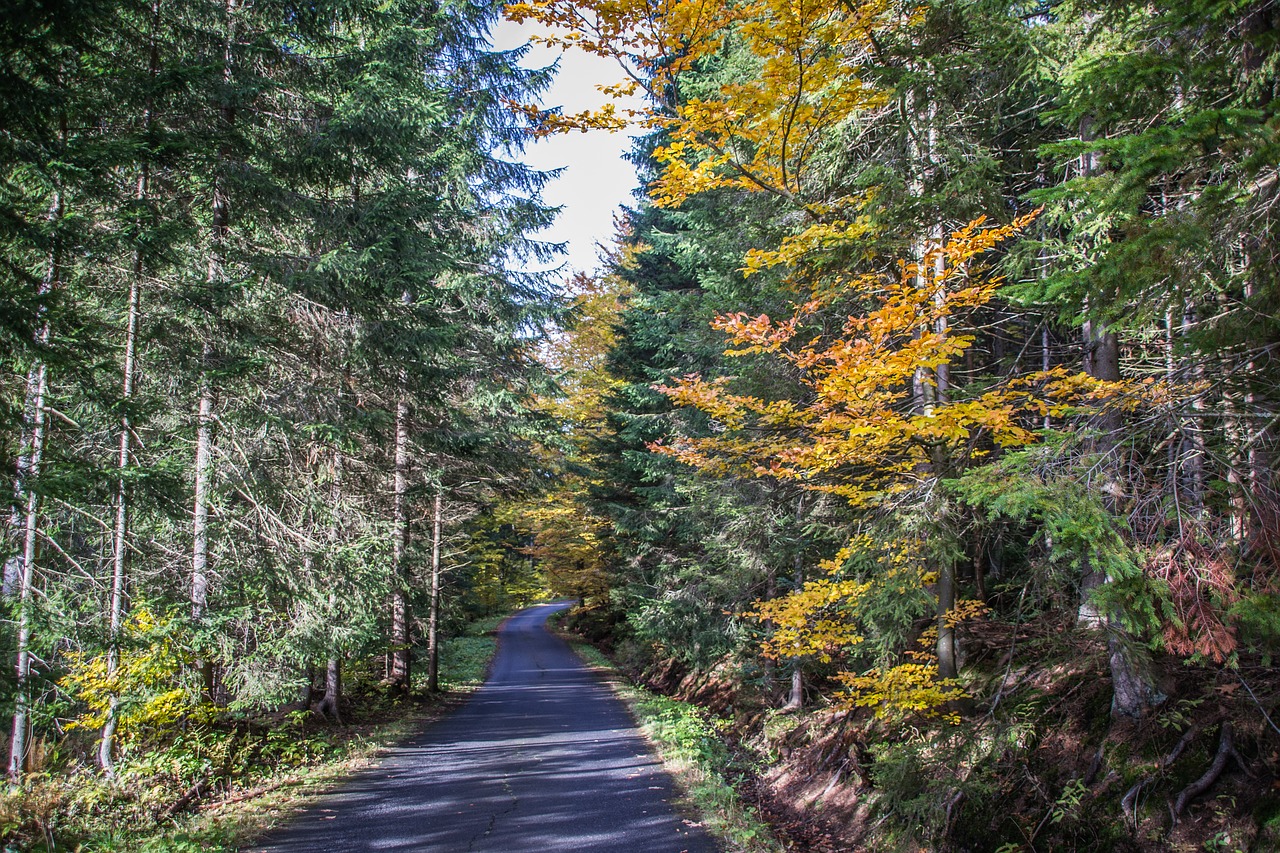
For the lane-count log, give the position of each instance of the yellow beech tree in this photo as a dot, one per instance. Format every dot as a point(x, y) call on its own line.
point(877, 426)
point(568, 538)
point(762, 124)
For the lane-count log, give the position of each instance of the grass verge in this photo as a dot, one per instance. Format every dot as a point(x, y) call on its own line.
point(693, 752)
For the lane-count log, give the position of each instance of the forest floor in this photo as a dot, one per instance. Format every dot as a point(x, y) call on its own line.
point(219, 787)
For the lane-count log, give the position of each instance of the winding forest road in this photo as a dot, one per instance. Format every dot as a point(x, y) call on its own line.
point(542, 758)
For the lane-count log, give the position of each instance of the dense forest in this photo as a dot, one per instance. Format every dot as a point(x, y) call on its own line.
point(266, 363)
point(931, 396)
point(920, 425)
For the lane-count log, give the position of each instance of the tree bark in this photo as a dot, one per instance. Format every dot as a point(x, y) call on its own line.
point(401, 658)
point(216, 275)
point(333, 668)
point(332, 690)
point(948, 658)
point(795, 698)
point(120, 533)
point(22, 687)
point(200, 515)
point(1133, 690)
point(433, 614)
point(29, 469)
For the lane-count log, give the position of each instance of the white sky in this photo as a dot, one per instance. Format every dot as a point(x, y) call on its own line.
point(596, 179)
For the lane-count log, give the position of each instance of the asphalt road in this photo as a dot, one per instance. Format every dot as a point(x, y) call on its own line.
point(542, 758)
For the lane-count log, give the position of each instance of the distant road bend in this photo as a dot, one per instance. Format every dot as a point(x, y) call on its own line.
point(543, 758)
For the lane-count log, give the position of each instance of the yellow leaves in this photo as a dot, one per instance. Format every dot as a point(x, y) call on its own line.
point(548, 122)
point(811, 620)
point(146, 679)
point(821, 620)
point(819, 237)
point(908, 688)
point(913, 687)
point(966, 610)
point(757, 130)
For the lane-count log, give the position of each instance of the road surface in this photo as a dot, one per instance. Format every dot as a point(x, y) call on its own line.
point(542, 758)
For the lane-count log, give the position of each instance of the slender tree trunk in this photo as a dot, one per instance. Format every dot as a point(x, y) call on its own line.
point(1101, 361)
point(1133, 690)
point(29, 469)
point(795, 698)
point(1193, 455)
point(333, 668)
point(1045, 361)
point(401, 658)
point(120, 535)
point(216, 275)
point(200, 515)
point(433, 614)
point(22, 688)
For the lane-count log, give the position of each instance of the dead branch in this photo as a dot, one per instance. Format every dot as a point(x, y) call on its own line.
point(195, 793)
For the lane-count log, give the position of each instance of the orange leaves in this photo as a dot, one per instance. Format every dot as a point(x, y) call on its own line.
point(860, 428)
point(1202, 588)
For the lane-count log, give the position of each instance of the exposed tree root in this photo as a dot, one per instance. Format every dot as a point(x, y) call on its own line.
point(1226, 749)
point(1129, 802)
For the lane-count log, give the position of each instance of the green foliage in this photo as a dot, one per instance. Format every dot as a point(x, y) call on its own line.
point(1073, 525)
point(464, 660)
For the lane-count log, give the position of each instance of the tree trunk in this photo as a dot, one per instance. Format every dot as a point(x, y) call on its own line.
point(433, 615)
point(200, 516)
point(1101, 361)
point(401, 659)
point(795, 698)
point(120, 535)
point(333, 668)
point(1133, 690)
point(332, 690)
point(948, 664)
point(22, 687)
point(28, 470)
point(215, 276)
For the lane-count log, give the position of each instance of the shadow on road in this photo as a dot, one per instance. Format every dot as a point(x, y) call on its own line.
point(542, 758)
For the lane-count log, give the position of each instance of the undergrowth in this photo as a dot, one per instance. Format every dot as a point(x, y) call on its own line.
point(215, 785)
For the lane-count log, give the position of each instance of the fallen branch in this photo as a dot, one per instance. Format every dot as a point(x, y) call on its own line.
point(194, 793)
point(251, 793)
